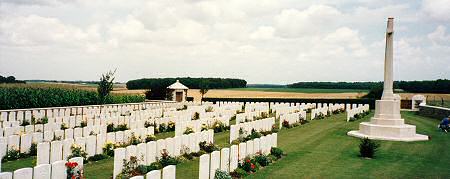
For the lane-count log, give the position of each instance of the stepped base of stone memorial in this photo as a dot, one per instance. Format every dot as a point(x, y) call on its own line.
point(387, 124)
point(405, 132)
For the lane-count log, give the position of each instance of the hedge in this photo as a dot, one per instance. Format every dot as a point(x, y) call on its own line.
point(24, 97)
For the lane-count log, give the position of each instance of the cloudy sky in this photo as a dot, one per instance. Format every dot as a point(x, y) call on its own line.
point(262, 41)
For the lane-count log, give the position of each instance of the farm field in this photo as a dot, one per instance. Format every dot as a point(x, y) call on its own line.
point(302, 90)
point(243, 92)
point(309, 154)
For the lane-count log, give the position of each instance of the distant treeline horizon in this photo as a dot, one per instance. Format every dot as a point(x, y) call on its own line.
point(426, 86)
point(193, 83)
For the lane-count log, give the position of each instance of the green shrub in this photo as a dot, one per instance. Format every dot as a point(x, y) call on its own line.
point(239, 173)
point(166, 159)
point(277, 152)
point(170, 126)
point(208, 147)
point(188, 130)
point(134, 140)
point(25, 123)
point(262, 160)
point(367, 148)
point(150, 137)
point(249, 165)
point(162, 127)
point(97, 157)
point(154, 166)
point(110, 127)
point(77, 151)
point(148, 124)
point(33, 149)
point(196, 116)
point(219, 174)
point(219, 127)
point(108, 149)
point(121, 127)
point(11, 155)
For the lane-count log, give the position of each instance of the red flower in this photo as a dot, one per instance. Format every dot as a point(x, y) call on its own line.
point(252, 166)
point(71, 164)
point(248, 161)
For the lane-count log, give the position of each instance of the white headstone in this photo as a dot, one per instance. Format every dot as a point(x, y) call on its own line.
point(14, 142)
point(101, 140)
point(67, 145)
point(79, 161)
point(214, 163)
point(119, 156)
point(234, 157)
point(43, 153)
point(242, 151)
point(169, 172)
point(204, 167)
point(59, 170)
point(6, 175)
point(154, 174)
point(131, 151)
point(24, 173)
point(91, 147)
point(142, 153)
point(225, 159)
point(25, 143)
point(249, 149)
point(56, 151)
point(42, 171)
point(151, 152)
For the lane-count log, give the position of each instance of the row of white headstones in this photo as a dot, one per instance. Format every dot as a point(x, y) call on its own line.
point(23, 141)
point(360, 109)
point(55, 170)
point(292, 118)
point(149, 152)
point(227, 159)
point(48, 152)
point(258, 125)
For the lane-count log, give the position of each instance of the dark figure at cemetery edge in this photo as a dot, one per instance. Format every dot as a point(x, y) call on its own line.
point(444, 125)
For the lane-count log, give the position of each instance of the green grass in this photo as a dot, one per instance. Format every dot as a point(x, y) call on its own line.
point(321, 149)
point(21, 163)
point(303, 90)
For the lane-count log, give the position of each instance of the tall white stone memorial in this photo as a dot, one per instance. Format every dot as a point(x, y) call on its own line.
point(387, 124)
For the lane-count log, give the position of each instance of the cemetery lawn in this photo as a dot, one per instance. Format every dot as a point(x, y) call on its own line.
point(303, 90)
point(321, 149)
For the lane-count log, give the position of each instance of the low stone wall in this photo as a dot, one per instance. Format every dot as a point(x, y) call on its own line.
point(433, 111)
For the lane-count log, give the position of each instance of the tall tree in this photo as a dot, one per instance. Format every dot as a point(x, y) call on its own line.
point(105, 86)
point(204, 88)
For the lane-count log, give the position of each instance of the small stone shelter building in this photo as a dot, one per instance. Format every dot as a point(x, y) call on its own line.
point(177, 91)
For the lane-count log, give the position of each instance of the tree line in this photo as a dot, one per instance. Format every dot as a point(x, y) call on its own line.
point(427, 86)
point(193, 83)
point(9, 79)
point(157, 87)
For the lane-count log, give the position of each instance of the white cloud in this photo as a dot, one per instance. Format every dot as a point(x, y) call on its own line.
point(439, 35)
point(264, 42)
point(293, 23)
point(437, 9)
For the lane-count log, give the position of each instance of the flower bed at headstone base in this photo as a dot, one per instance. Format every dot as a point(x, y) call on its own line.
point(73, 171)
point(133, 168)
point(251, 165)
point(359, 116)
point(253, 135)
point(15, 154)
